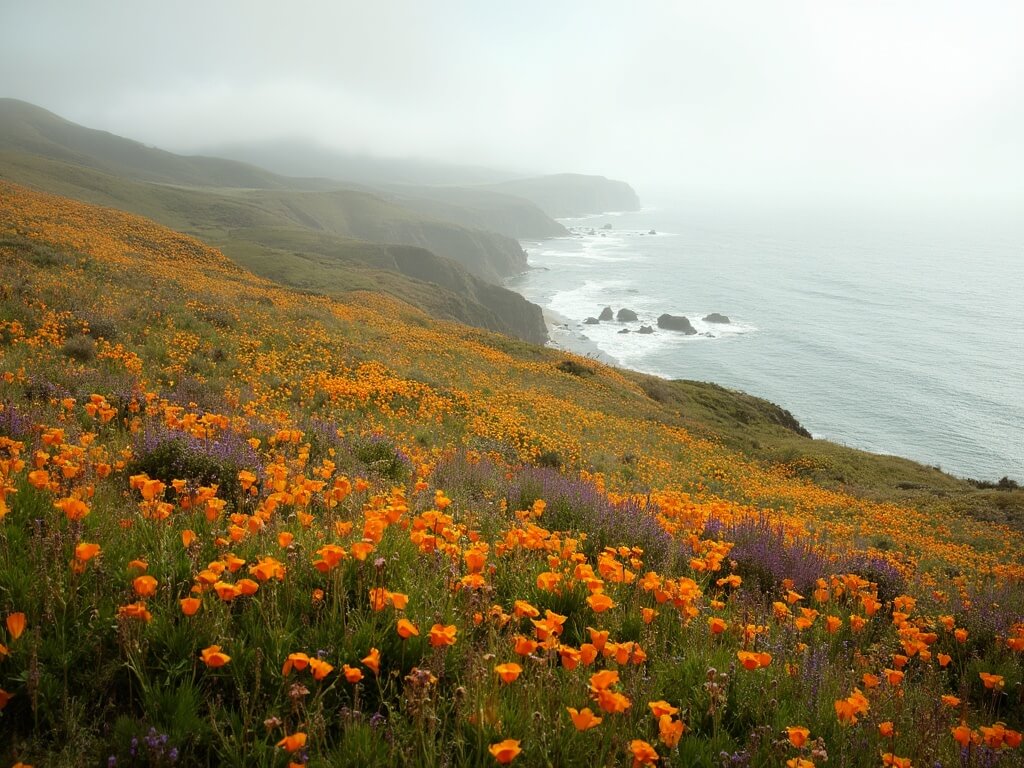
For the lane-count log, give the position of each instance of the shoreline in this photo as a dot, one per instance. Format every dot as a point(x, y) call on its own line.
point(572, 336)
point(562, 336)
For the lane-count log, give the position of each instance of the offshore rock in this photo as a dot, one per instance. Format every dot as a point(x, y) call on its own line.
point(676, 323)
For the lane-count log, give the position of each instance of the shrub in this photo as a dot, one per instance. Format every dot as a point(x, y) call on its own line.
point(659, 390)
point(169, 456)
point(550, 459)
point(382, 457)
point(102, 328)
point(574, 369)
point(80, 348)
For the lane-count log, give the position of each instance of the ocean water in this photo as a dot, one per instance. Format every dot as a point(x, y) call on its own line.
point(902, 337)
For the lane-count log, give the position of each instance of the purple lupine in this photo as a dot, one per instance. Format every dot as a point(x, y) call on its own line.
point(577, 504)
point(14, 422)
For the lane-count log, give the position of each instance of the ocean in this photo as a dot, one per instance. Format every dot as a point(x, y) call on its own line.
point(897, 336)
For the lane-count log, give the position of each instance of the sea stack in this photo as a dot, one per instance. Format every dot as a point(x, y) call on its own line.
point(676, 323)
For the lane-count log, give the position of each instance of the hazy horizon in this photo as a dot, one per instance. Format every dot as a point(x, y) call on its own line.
point(879, 103)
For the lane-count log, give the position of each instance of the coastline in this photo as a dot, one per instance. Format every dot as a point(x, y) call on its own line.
point(562, 335)
point(831, 364)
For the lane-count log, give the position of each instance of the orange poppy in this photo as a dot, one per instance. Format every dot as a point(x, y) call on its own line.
point(894, 677)
point(294, 742)
point(798, 735)
point(524, 646)
point(612, 701)
point(643, 753)
point(320, 668)
point(441, 635)
point(372, 661)
point(505, 751)
point(213, 657)
point(297, 661)
point(73, 509)
point(992, 682)
point(190, 605)
point(352, 674)
point(583, 719)
point(606, 678)
point(16, 624)
point(670, 731)
point(600, 602)
point(508, 672)
point(659, 708)
point(136, 610)
point(144, 586)
point(751, 660)
point(406, 629)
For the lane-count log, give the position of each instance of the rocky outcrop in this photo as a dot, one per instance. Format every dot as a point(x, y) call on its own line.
point(626, 316)
point(715, 317)
point(468, 299)
point(645, 329)
point(591, 321)
point(606, 314)
point(676, 323)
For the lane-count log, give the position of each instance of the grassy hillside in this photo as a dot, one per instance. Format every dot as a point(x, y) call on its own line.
point(319, 241)
point(30, 129)
point(477, 208)
point(215, 214)
point(245, 525)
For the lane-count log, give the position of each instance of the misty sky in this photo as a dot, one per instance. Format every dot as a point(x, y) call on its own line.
point(878, 99)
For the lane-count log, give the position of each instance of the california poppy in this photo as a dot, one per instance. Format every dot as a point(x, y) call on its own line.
point(213, 657)
point(798, 735)
point(406, 629)
point(294, 742)
point(505, 751)
point(643, 753)
point(352, 674)
point(372, 661)
point(583, 719)
point(190, 605)
point(659, 708)
point(670, 731)
point(441, 635)
point(16, 624)
point(508, 672)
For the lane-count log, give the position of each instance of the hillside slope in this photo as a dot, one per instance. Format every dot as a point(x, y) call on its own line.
point(33, 130)
point(202, 193)
point(245, 525)
point(342, 231)
point(589, 414)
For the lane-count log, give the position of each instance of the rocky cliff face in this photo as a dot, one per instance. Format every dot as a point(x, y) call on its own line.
point(474, 301)
point(486, 255)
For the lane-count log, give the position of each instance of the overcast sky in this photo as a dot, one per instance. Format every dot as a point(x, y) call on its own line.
point(882, 99)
